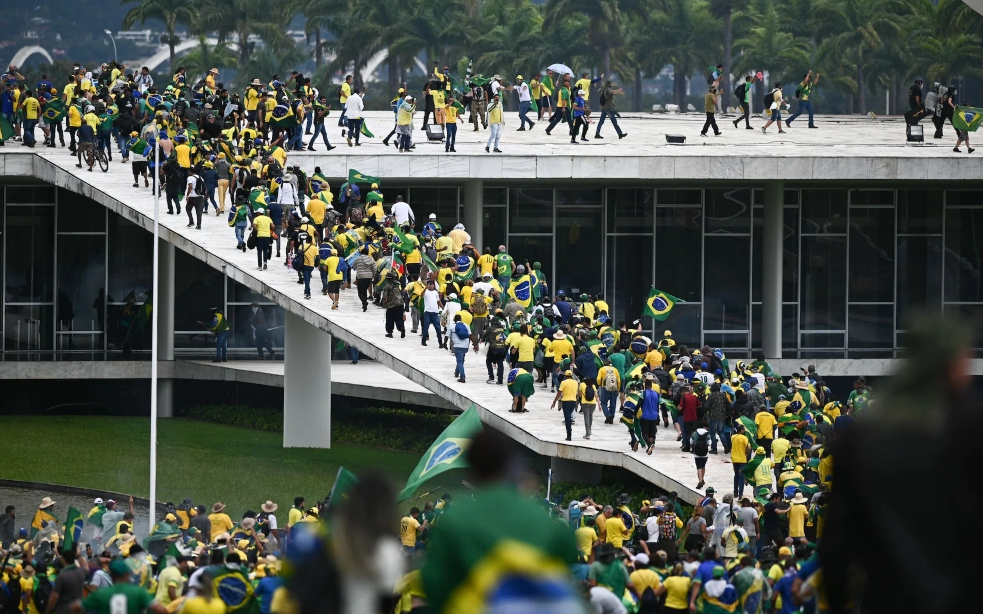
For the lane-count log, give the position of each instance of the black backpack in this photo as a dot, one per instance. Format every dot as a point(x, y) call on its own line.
point(42, 593)
point(589, 394)
point(739, 92)
point(798, 93)
point(768, 99)
point(702, 445)
point(10, 596)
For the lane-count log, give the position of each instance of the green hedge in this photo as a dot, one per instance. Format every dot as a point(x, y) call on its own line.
point(382, 427)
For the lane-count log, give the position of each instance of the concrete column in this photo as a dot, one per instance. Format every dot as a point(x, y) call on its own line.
point(165, 327)
point(771, 273)
point(474, 213)
point(568, 470)
point(306, 385)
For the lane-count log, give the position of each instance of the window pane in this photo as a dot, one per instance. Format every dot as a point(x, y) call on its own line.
point(872, 197)
point(726, 279)
point(971, 313)
point(239, 293)
point(790, 256)
point(822, 340)
point(442, 201)
point(963, 255)
point(197, 289)
point(76, 213)
point(790, 326)
point(494, 196)
point(919, 211)
point(28, 332)
point(823, 302)
point(630, 211)
point(680, 197)
point(242, 332)
point(757, 252)
point(919, 275)
point(679, 236)
point(580, 198)
point(131, 259)
point(953, 198)
point(578, 250)
point(29, 257)
point(127, 335)
point(872, 326)
point(31, 194)
point(728, 342)
point(534, 249)
point(629, 276)
point(683, 321)
point(824, 211)
point(728, 211)
point(493, 230)
point(81, 282)
point(871, 255)
point(530, 210)
point(79, 346)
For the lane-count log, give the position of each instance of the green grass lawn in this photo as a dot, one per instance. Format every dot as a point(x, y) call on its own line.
point(207, 462)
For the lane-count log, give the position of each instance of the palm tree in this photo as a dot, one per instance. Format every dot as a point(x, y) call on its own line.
point(204, 57)
point(855, 30)
point(604, 23)
point(171, 12)
point(724, 10)
point(679, 37)
point(240, 19)
point(768, 47)
point(266, 61)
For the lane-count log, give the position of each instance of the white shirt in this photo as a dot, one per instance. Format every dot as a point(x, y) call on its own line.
point(483, 285)
point(495, 86)
point(354, 107)
point(603, 601)
point(402, 211)
point(287, 194)
point(450, 310)
point(190, 189)
point(430, 301)
point(706, 378)
point(271, 521)
point(652, 524)
point(524, 95)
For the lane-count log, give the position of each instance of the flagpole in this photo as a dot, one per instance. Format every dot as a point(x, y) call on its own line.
point(154, 336)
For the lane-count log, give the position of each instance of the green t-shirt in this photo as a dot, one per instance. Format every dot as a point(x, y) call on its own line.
point(504, 264)
point(805, 90)
point(747, 92)
point(612, 575)
point(117, 599)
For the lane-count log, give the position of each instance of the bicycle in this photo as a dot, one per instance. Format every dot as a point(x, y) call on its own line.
point(100, 158)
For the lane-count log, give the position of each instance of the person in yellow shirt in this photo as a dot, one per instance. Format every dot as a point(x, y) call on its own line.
point(410, 528)
point(765, 422)
point(567, 394)
point(645, 580)
point(486, 263)
point(74, 122)
point(677, 587)
point(344, 92)
point(182, 151)
point(496, 122)
point(296, 513)
point(740, 450)
point(586, 537)
point(221, 523)
point(210, 80)
point(615, 531)
point(587, 395)
point(526, 344)
point(797, 517)
point(333, 277)
point(263, 226)
point(32, 113)
point(450, 118)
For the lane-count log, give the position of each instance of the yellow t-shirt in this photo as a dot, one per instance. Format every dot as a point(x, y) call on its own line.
point(74, 117)
point(450, 114)
point(252, 99)
point(780, 447)
point(677, 592)
point(169, 576)
point(200, 605)
point(562, 347)
point(486, 264)
point(654, 359)
point(407, 531)
point(762, 474)
point(466, 317)
point(310, 255)
point(547, 348)
point(315, 209)
point(375, 211)
point(738, 448)
point(331, 262)
point(438, 99)
point(183, 153)
point(586, 536)
point(766, 424)
point(294, 515)
point(32, 108)
point(527, 349)
point(26, 586)
point(263, 225)
point(643, 579)
point(221, 523)
point(346, 91)
point(93, 120)
point(797, 520)
point(568, 389)
point(615, 531)
point(583, 395)
point(69, 92)
point(583, 84)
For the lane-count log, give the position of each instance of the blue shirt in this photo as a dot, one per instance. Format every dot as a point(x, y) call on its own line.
point(6, 102)
point(264, 592)
point(704, 573)
point(211, 177)
point(650, 405)
point(276, 213)
point(564, 308)
point(783, 588)
point(578, 102)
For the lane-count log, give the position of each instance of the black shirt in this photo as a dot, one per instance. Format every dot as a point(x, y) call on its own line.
point(915, 99)
point(770, 522)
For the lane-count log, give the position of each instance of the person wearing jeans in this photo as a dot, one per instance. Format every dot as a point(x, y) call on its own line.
point(525, 103)
point(805, 95)
point(219, 326)
point(450, 125)
point(496, 122)
point(263, 226)
point(609, 399)
point(608, 111)
point(566, 395)
point(717, 429)
point(460, 345)
point(739, 452)
point(431, 313)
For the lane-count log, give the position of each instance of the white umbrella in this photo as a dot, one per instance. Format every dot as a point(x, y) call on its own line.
point(563, 69)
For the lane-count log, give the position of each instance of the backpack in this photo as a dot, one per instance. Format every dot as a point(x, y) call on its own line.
point(589, 394)
point(498, 337)
point(667, 526)
point(42, 593)
point(461, 330)
point(768, 100)
point(298, 261)
point(798, 93)
point(199, 187)
point(479, 307)
point(356, 214)
point(702, 445)
point(604, 99)
point(739, 92)
point(10, 596)
point(611, 380)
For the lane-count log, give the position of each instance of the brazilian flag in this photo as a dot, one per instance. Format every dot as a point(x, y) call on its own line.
point(403, 243)
point(54, 111)
point(39, 517)
point(233, 587)
point(752, 466)
point(282, 116)
point(74, 522)
point(356, 177)
point(192, 132)
point(446, 453)
point(750, 429)
point(6, 129)
point(258, 198)
point(373, 197)
point(967, 118)
point(318, 182)
point(465, 268)
point(343, 482)
point(365, 130)
point(659, 304)
point(521, 291)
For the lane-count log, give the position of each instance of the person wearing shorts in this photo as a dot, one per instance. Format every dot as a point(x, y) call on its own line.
point(86, 137)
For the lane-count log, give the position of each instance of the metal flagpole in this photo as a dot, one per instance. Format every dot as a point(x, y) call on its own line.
point(154, 334)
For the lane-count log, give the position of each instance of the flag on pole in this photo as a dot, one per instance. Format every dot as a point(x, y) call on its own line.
point(343, 483)
point(356, 177)
point(74, 522)
point(659, 304)
point(446, 453)
point(403, 243)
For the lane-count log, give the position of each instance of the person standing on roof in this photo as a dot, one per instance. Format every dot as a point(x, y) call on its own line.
point(219, 326)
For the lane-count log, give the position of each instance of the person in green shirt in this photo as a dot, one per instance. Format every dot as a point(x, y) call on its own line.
point(122, 596)
point(562, 111)
point(805, 95)
point(745, 101)
point(504, 267)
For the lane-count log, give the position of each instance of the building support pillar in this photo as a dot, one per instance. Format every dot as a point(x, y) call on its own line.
point(165, 328)
point(306, 384)
point(569, 470)
point(772, 270)
point(474, 213)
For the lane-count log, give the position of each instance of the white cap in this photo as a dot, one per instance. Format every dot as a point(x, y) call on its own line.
point(459, 227)
point(98, 501)
point(641, 558)
point(408, 98)
point(329, 206)
point(580, 92)
point(433, 216)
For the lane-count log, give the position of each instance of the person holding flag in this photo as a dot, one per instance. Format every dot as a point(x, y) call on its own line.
point(965, 119)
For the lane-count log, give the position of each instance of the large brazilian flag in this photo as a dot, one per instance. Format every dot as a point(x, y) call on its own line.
point(967, 118)
point(446, 453)
point(233, 587)
point(521, 291)
point(659, 304)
